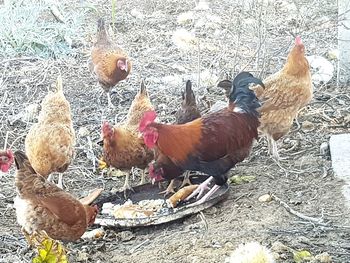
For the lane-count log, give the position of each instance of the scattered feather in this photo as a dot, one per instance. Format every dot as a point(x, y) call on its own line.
point(185, 18)
point(185, 40)
point(202, 5)
point(137, 14)
point(251, 252)
point(321, 69)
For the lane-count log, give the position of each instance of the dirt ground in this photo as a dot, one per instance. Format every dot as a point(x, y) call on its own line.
point(254, 36)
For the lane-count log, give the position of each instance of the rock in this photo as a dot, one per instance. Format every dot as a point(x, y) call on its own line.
point(339, 145)
point(307, 126)
point(323, 258)
point(324, 149)
point(265, 198)
point(125, 236)
point(279, 247)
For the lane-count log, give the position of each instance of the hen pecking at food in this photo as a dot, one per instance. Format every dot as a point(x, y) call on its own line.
point(42, 206)
point(187, 112)
point(6, 160)
point(285, 93)
point(212, 144)
point(123, 147)
point(50, 143)
point(108, 61)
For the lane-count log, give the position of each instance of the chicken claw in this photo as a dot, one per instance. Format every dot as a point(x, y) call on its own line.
point(169, 189)
point(200, 189)
point(186, 180)
point(206, 196)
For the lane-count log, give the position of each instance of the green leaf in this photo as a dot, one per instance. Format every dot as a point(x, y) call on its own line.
point(47, 243)
point(42, 253)
point(242, 179)
point(301, 256)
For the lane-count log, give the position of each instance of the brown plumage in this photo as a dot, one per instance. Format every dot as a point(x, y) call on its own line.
point(41, 205)
point(123, 147)
point(186, 113)
point(285, 93)
point(50, 143)
point(212, 144)
point(108, 61)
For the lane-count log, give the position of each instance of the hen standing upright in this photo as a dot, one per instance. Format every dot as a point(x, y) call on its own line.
point(50, 143)
point(123, 147)
point(186, 113)
point(212, 144)
point(285, 93)
point(41, 205)
point(109, 62)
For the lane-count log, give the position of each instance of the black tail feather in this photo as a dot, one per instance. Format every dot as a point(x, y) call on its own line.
point(143, 89)
point(189, 97)
point(242, 96)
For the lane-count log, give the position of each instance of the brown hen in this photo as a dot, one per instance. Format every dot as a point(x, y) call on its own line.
point(285, 93)
point(50, 143)
point(108, 61)
point(123, 147)
point(41, 205)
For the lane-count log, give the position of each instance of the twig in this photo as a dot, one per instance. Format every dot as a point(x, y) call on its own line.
point(296, 213)
point(6, 138)
point(139, 245)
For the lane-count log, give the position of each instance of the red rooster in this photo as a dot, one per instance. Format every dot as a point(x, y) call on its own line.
point(212, 144)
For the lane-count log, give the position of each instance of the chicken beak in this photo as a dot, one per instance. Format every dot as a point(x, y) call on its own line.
point(126, 65)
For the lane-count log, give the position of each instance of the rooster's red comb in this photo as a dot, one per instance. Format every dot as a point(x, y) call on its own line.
point(148, 117)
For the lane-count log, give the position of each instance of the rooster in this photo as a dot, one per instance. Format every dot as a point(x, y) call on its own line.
point(212, 144)
point(6, 160)
point(187, 112)
point(108, 61)
point(285, 93)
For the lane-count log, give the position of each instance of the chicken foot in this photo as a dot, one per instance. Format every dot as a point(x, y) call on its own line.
point(272, 148)
point(186, 180)
point(170, 189)
point(126, 185)
point(200, 189)
point(110, 104)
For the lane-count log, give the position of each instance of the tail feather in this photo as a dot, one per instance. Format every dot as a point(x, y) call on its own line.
point(101, 30)
point(143, 89)
point(189, 97)
point(101, 25)
point(22, 162)
point(242, 96)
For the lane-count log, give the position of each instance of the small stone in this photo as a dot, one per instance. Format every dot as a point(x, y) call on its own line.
point(323, 257)
point(307, 126)
point(125, 236)
point(82, 256)
point(83, 132)
point(324, 149)
point(265, 198)
point(279, 247)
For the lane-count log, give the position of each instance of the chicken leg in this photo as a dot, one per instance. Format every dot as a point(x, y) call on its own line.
point(169, 189)
point(126, 185)
point(143, 178)
point(272, 148)
point(110, 104)
point(186, 180)
point(200, 190)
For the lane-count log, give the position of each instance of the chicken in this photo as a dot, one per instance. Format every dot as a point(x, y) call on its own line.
point(188, 112)
point(42, 206)
point(6, 160)
point(50, 143)
point(123, 147)
point(212, 144)
point(108, 61)
point(285, 93)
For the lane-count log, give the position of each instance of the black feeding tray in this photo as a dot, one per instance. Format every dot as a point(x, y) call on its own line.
point(149, 191)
